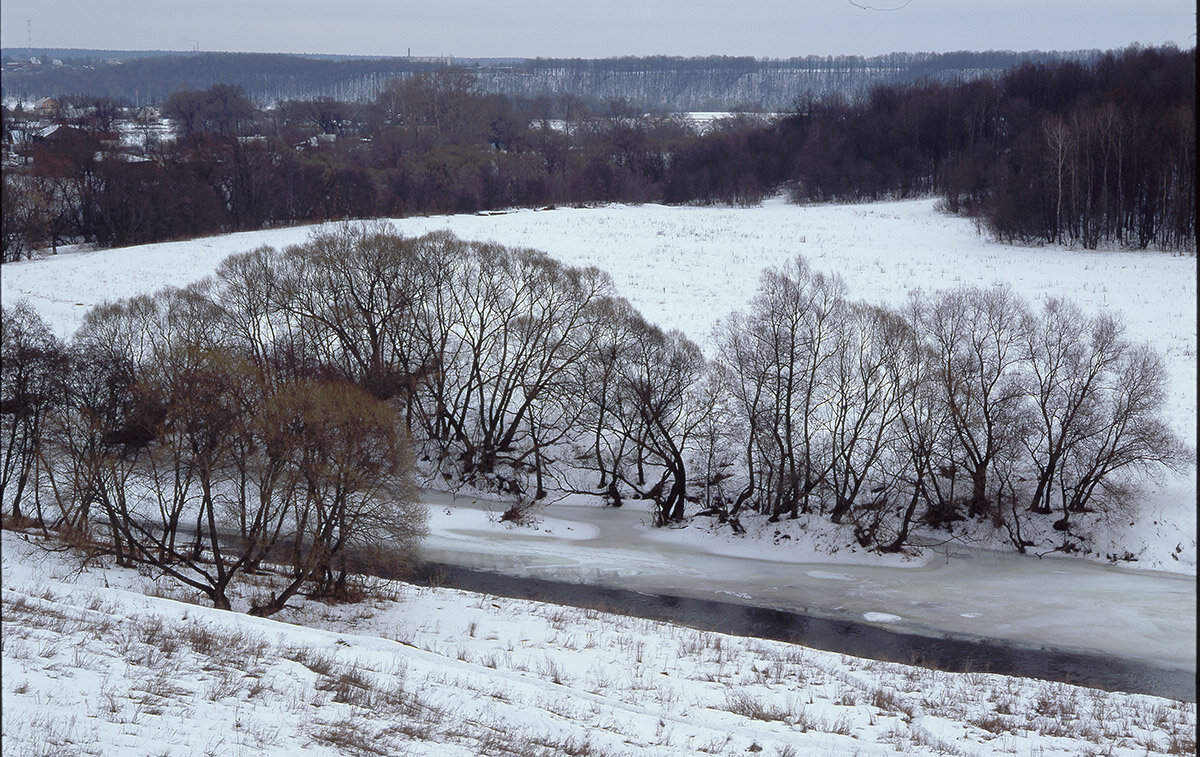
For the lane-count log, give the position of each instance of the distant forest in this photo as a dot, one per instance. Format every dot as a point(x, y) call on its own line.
point(1095, 154)
point(658, 83)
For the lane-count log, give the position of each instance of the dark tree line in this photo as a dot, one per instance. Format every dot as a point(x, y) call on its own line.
point(427, 144)
point(1092, 155)
point(713, 83)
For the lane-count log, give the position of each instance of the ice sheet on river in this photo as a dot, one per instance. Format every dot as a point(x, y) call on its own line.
point(1062, 603)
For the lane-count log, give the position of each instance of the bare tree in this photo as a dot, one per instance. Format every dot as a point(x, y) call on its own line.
point(744, 371)
point(248, 288)
point(977, 335)
point(353, 465)
point(793, 324)
point(716, 449)
point(509, 328)
point(597, 380)
point(1059, 143)
point(31, 387)
point(865, 405)
point(356, 290)
point(659, 377)
point(92, 446)
point(1071, 359)
point(432, 108)
point(1129, 441)
point(924, 427)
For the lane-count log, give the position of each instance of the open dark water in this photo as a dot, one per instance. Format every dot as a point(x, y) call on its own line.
point(833, 635)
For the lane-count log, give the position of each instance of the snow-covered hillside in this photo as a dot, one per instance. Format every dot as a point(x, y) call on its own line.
point(687, 267)
point(100, 661)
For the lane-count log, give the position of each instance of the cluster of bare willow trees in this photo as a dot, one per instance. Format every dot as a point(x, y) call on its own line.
point(268, 412)
point(152, 437)
point(278, 409)
point(964, 404)
point(511, 370)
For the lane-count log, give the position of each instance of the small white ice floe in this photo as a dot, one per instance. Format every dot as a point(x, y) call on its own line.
point(970, 615)
point(828, 574)
point(881, 617)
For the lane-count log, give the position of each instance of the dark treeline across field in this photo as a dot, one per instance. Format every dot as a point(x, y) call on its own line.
point(279, 403)
point(655, 83)
point(1090, 151)
point(1098, 155)
point(1091, 155)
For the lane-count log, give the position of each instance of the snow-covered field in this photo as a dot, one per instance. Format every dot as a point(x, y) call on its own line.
point(99, 662)
point(103, 661)
point(688, 267)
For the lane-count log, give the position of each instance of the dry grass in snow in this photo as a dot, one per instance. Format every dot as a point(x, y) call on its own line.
point(100, 660)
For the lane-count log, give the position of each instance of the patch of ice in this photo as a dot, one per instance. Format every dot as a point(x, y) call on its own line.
point(828, 574)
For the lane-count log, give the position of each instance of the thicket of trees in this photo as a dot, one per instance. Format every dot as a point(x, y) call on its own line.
point(964, 404)
point(268, 413)
point(1092, 155)
point(154, 437)
point(657, 83)
point(1102, 154)
point(277, 409)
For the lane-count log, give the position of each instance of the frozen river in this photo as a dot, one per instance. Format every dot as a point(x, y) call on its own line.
point(1058, 603)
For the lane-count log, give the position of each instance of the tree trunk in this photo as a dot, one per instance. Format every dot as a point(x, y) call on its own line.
point(219, 600)
point(978, 506)
point(906, 521)
point(1041, 496)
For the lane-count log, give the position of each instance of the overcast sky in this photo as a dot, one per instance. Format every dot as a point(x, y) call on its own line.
point(596, 28)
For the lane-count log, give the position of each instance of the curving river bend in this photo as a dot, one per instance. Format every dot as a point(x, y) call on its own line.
point(1059, 619)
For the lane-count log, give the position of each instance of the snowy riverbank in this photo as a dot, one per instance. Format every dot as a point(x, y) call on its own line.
point(99, 659)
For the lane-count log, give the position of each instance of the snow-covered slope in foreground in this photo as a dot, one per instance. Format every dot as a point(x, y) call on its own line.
point(98, 661)
point(687, 267)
